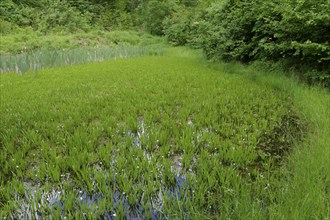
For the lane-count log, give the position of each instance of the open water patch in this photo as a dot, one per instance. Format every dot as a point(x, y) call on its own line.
point(34, 201)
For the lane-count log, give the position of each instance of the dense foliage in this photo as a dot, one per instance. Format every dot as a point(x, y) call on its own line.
point(293, 33)
point(77, 15)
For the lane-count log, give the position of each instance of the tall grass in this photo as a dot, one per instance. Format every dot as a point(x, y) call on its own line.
point(46, 58)
point(306, 194)
point(304, 189)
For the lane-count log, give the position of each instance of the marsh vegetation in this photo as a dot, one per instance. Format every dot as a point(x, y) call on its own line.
point(102, 118)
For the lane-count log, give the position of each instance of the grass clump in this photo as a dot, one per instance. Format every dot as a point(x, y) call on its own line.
point(146, 137)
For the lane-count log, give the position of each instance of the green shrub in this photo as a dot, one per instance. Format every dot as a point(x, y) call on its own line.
point(292, 32)
point(182, 28)
point(47, 16)
point(7, 27)
point(155, 13)
point(28, 40)
point(60, 16)
point(176, 28)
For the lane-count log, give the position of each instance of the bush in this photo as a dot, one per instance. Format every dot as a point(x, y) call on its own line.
point(290, 31)
point(45, 16)
point(16, 14)
point(60, 16)
point(7, 27)
point(176, 28)
point(155, 13)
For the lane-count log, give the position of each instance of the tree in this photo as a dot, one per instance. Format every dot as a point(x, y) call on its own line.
point(154, 14)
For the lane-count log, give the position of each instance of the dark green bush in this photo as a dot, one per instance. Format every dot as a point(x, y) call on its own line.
point(61, 16)
point(177, 28)
point(44, 16)
point(295, 33)
point(155, 13)
point(16, 13)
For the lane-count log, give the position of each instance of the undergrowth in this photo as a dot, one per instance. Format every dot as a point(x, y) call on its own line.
point(28, 40)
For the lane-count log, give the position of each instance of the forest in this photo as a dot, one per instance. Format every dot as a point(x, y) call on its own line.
point(164, 109)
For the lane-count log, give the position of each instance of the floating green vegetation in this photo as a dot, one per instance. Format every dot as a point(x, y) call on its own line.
point(153, 137)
